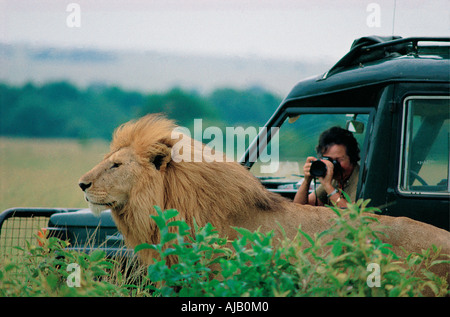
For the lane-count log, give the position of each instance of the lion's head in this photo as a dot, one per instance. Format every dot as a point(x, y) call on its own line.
point(137, 160)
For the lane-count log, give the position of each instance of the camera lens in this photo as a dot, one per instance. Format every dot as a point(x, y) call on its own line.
point(318, 169)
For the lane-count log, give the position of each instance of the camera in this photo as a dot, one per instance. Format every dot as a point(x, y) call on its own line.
point(319, 169)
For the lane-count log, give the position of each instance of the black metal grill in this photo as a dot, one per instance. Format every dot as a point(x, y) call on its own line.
point(18, 225)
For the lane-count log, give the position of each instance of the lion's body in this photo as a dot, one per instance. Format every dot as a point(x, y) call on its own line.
point(141, 171)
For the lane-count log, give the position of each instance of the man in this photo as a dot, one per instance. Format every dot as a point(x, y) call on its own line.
point(340, 145)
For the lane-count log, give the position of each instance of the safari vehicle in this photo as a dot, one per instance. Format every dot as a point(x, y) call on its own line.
point(393, 93)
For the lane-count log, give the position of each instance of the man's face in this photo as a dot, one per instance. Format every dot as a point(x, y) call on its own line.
point(338, 152)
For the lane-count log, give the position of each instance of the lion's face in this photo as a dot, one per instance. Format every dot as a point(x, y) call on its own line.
point(122, 176)
point(108, 184)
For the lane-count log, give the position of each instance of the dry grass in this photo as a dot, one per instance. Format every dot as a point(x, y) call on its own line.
point(45, 173)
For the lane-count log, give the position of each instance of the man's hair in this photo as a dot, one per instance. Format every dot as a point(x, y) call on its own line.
point(339, 136)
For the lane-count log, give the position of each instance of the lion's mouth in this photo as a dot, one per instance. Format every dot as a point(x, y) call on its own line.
point(110, 204)
point(105, 204)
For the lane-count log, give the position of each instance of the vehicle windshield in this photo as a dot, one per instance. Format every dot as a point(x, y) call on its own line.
point(297, 139)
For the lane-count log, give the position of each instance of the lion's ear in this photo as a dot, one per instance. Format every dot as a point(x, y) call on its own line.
point(158, 161)
point(161, 156)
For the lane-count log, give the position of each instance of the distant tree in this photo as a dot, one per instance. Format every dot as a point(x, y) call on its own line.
point(181, 106)
point(60, 91)
point(30, 116)
point(244, 107)
point(60, 109)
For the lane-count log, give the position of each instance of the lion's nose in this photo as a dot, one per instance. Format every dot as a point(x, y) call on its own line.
point(84, 186)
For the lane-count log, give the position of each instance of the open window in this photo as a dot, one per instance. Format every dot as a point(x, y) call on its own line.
point(425, 146)
point(297, 139)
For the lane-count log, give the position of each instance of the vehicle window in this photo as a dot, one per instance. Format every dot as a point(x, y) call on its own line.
point(425, 153)
point(298, 138)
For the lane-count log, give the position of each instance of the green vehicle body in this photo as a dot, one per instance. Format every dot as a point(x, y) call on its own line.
point(383, 79)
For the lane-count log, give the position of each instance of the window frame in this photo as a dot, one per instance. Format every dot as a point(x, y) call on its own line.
point(252, 150)
point(405, 142)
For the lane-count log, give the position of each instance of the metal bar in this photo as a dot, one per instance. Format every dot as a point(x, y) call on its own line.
point(31, 212)
point(413, 40)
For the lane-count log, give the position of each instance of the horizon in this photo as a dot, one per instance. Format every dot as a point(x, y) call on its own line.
point(289, 30)
point(200, 44)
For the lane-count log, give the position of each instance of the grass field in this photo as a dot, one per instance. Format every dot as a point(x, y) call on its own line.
point(45, 172)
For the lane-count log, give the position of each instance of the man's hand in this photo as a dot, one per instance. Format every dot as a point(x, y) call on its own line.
point(307, 168)
point(326, 180)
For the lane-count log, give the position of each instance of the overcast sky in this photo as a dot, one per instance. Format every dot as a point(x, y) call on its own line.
point(283, 29)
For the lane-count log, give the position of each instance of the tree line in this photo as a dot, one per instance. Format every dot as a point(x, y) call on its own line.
point(63, 110)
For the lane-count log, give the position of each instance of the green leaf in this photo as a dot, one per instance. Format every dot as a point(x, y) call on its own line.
point(337, 248)
point(160, 222)
point(98, 271)
point(439, 262)
point(97, 255)
point(245, 233)
point(183, 227)
point(394, 292)
point(346, 196)
point(157, 271)
point(82, 261)
point(144, 246)
point(52, 281)
point(168, 237)
point(10, 266)
point(107, 264)
point(170, 213)
point(306, 236)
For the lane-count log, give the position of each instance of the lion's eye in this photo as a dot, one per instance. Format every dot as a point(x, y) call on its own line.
point(116, 165)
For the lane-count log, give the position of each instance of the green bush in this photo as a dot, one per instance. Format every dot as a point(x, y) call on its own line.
point(49, 269)
point(342, 261)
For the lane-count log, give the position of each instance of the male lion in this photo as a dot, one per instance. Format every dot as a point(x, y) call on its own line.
point(143, 170)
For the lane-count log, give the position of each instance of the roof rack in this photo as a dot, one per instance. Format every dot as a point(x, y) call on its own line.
point(373, 48)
